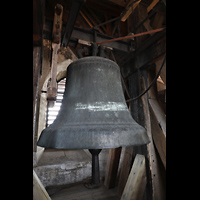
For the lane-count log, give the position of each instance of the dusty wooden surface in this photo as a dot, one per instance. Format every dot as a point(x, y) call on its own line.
point(80, 192)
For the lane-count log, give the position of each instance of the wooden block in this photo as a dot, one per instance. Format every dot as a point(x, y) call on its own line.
point(112, 167)
point(136, 183)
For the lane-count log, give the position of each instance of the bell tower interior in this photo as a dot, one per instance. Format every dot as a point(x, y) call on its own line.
point(131, 34)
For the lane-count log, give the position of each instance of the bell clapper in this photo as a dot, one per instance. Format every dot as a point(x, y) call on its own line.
point(95, 182)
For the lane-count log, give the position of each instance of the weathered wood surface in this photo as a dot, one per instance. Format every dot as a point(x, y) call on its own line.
point(80, 192)
point(130, 10)
point(57, 24)
point(37, 51)
point(159, 114)
point(155, 173)
point(159, 138)
point(56, 35)
point(125, 169)
point(112, 167)
point(158, 124)
point(38, 20)
point(39, 192)
point(136, 183)
point(153, 3)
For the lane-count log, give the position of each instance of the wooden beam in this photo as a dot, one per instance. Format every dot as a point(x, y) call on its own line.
point(38, 20)
point(105, 7)
point(74, 11)
point(119, 2)
point(57, 23)
point(96, 18)
point(136, 183)
point(90, 19)
point(159, 114)
point(147, 53)
point(150, 7)
point(108, 26)
point(155, 171)
point(142, 15)
point(86, 19)
point(159, 137)
point(130, 9)
point(157, 21)
point(158, 123)
point(125, 169)
point(37, 63)
point(112, 167)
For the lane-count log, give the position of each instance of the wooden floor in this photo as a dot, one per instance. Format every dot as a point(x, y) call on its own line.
point(80, 192)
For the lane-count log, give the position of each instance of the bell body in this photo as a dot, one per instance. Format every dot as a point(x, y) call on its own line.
point(93, 114)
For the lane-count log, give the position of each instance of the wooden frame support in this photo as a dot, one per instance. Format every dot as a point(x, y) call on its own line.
point(39, 192)
point(136, 183)
point(112, 167)
point(155, 168)
point(130, 9)
point(143, 114)
point(125, 169)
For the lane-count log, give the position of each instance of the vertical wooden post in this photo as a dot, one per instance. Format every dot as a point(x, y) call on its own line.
point(125, 169)
point(36, 75)
point(38, 21)
point(112, 167)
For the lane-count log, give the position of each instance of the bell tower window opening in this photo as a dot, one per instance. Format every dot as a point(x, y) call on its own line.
point(52, 112)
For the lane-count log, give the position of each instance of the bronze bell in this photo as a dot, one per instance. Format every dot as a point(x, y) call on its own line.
point(93, 114)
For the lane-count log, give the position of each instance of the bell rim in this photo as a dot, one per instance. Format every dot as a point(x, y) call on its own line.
point(97, 137)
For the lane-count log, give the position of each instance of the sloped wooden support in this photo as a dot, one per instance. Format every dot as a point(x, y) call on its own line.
point(155, 169)
point(39, 192)
point(112, 167)
point(136, 183)
point(159, 114)
point(153, 3)
point(74, 11)
point(159, 137)
point(158, 123)
point(130, 9)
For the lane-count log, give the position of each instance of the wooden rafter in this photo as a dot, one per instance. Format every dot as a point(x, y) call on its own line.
point(130, 9)
point(89, 20)
point(93, 15)
point(86, 19)
point(150, 7)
